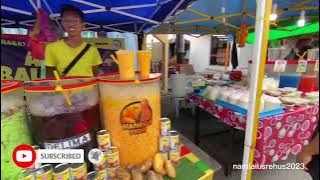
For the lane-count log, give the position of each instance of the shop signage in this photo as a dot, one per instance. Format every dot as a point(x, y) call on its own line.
point(18, 64)
point(68, 143)
point(280, 66)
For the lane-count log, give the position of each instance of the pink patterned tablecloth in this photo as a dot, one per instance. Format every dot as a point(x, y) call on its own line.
point(278, 136)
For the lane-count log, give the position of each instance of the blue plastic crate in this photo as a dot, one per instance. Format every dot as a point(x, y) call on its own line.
point(245, 111)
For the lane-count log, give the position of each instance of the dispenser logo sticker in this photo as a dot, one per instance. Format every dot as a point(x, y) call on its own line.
point(136, 116)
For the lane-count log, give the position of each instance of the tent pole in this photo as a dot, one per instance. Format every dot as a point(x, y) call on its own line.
point(259, 57)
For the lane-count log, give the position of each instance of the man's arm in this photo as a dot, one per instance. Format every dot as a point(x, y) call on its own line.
point(49, 71)
point(311, 149)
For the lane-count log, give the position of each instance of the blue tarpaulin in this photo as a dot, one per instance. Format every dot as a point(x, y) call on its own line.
point(206, 16)
point(109, 15)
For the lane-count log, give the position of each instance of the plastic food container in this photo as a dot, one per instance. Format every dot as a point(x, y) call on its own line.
point(274, 53)
point(308, 83)
point(57, 125)
point(309, 79)
point(269, 73)
point(14, 126)
point(290, 78)
point(313, 54)
point(131, 112)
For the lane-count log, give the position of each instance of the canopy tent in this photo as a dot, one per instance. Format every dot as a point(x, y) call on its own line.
point(288, 31)
point(108, 15)
point(225, 16)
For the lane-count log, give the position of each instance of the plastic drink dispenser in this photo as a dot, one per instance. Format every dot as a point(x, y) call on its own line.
point(131, 112)
point(57, 124)
point(14, 126)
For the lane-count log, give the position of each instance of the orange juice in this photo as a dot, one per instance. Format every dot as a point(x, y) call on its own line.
point(131, 114)
point(144, 58)
point(126, 64)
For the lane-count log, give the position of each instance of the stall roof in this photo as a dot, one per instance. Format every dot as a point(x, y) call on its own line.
point(110, 15)
point(206, 17)
point(289, 31)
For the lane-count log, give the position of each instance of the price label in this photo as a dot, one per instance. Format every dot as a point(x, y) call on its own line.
point(302, 66)
point(280, 66)
point(316, 66)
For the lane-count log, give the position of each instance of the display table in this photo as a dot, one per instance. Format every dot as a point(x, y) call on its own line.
point(278, 136)
point(194, 163)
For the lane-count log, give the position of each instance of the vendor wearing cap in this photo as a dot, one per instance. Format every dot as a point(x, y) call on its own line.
point(72, 56)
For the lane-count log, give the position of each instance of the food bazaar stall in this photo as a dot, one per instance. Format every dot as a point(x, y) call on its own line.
point(64, 113)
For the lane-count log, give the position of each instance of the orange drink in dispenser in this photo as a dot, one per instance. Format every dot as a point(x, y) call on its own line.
point(131, 113)
point(144, 58)
point(125, 61)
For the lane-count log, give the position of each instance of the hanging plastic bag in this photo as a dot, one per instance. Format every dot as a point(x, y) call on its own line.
point(242, 35)
point(40, 35)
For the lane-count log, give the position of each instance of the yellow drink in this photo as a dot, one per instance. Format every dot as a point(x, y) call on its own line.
point(126, 64)
point(144, 58)
point(131, 113)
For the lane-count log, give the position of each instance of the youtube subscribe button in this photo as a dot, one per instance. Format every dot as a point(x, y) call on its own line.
point(25, 156)
point(60, 156)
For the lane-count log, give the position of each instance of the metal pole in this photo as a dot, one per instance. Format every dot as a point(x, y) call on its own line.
point(259, 57)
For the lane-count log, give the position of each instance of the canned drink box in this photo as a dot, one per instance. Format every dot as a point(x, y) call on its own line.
point(44, 172)
point(103, 163)
point(78, 170)
point(165, 126)
point(174, 156)
point(113, 160)
point(61, 172)
point(174, 140)
point(164, 144)
point(103, 138)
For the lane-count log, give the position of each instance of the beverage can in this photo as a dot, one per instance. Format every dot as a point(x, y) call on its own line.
point(164, 144)
point(165, 155)
point(93, 175)
point(44, 172)
point(61, 172)
point(174, 140)
point(103, 163)
point(102, 174)
point(103, 138)
point(174, 156)
point(165, 126)
point(113, 157)
point(78, 170)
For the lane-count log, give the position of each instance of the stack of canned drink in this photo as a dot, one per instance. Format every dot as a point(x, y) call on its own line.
point(61, 172)
point(169, 143)
point(110, 161)
point(106, 168)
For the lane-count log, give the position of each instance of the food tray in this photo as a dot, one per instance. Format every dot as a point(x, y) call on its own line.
point(243, 111)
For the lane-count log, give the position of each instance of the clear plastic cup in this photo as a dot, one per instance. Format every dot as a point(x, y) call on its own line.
point(144, 58)
point(126, 64)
